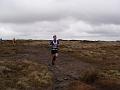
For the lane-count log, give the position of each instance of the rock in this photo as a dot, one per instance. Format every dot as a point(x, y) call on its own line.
point(65, 78)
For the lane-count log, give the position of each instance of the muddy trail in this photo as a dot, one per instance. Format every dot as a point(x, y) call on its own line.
point(66, 70)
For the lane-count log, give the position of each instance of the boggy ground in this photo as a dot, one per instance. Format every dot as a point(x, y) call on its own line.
point(80, 65)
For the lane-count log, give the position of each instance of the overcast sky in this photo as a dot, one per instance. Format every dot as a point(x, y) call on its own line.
point(68, 19)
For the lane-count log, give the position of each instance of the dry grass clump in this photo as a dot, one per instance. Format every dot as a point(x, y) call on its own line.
point(108, 84)
point(24, 75)
point(7, 50)
point(89, 75)
point(109, 79)
point(77, 85)
point(110, 74)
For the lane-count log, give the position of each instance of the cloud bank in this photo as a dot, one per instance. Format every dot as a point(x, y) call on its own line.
point(69, 19)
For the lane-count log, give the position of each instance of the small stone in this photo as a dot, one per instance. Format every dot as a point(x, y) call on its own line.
point(65, 78)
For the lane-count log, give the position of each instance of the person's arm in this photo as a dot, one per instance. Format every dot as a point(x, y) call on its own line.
point(58, 42)
point(51, 43)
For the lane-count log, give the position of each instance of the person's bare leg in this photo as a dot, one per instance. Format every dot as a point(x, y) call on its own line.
point(14, 43)
point(53, 59)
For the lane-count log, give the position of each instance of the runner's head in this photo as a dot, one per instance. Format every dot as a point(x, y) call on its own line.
point(54, 37)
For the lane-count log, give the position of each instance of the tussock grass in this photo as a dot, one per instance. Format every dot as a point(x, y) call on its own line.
point(103, 56)
point(24, 75)
point(90, 75)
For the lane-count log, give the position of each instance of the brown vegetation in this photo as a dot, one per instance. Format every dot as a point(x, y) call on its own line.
point(100, 70)
point(25, 75)
point(104, 56)
point(21, 74)
point(77, 85)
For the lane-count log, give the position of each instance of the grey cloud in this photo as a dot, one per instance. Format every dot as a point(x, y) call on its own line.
point(65, 29)
point(110, 30)
point(69, 19)
point(94, 11)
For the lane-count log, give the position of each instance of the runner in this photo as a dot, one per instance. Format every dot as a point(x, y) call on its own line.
point(14, 41)
point(54, 48)
point(1, 40)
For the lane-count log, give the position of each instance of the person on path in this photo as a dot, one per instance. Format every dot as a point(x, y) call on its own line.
point(14, 41)
point(54, 48)
point(1, 40)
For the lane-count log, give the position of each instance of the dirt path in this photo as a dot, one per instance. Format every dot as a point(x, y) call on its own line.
point(66, 69)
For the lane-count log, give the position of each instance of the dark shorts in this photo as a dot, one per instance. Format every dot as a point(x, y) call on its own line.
point(54, 51)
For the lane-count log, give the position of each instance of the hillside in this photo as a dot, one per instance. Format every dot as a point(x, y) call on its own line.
point(81, 65)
